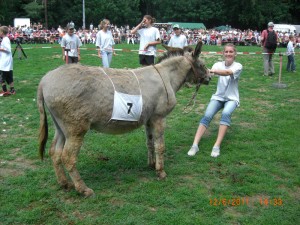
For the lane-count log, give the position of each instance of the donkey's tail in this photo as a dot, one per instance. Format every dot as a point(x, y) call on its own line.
point(43, 132)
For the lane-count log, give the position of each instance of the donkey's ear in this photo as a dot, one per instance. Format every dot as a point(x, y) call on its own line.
point(197, 51)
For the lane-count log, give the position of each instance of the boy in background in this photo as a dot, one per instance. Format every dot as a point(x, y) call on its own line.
point(291, 67)
point(6, 64)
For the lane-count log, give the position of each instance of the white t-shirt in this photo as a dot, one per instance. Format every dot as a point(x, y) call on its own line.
point(227, 88)
point(179, 41)
point(105, 41)
point(290, 49)
point(147, 35)
point(72, 43)
point(6, 60)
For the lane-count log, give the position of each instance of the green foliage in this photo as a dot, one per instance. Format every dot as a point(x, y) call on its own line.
point(237, 13)
point(259, 160)
point(33, 10)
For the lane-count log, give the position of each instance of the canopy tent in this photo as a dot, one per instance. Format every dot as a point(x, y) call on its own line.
point(189, 25)
point(166, 26)
point(223, 28)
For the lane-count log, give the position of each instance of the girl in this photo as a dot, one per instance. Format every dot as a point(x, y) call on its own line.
point(226, 97)
point(149, 38)
point(104, 43)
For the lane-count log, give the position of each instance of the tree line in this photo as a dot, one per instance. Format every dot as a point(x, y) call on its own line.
point(242, 14)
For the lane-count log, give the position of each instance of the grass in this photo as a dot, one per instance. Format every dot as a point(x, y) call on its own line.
point(259, 160)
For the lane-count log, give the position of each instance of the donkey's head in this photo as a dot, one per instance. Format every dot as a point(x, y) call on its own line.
point(199, 70)
point(199, 73)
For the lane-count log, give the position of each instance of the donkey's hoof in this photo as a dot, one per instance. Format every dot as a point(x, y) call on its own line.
point(161, 175)
point(89, 193)
point(67, 186)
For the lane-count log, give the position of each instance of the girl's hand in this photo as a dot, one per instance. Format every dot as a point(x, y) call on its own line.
point(146, 47)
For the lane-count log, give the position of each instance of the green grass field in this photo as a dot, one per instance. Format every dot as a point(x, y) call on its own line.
point(254, 181)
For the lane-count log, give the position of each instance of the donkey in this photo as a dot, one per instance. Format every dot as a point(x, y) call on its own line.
point(80, 98)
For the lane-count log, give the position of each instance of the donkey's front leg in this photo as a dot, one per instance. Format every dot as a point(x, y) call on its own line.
point(159, 146)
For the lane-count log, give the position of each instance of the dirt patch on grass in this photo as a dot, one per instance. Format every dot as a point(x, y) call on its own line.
point(15, 167)
point(248, 125)
point(294, 100)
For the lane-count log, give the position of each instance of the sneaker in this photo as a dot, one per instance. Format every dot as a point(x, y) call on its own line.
point(294, 71)
point(215, 152)
point(4, 94)
point(193, 151)
point(13, 92)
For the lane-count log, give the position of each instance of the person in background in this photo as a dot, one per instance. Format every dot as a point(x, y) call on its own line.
point(267, 50)
point(104, 43)
point(178, 40)
point(70, 44)
point(226, 97)
point(149, 38)
point(6, 64)
point(291, 67)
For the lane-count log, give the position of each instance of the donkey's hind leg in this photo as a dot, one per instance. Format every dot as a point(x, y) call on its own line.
point(150, 144)
point(159, 146)
point(69, 157)
point(56, 154)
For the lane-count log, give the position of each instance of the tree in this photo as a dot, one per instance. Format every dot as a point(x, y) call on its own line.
point(241, 14)
point(33, 10)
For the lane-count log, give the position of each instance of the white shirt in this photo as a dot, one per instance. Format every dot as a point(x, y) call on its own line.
point(178, 41)
point(147, 35)
point(105, 41)
point(6, 60)
point(290, 48)
point(72, 43)
point(227, 88)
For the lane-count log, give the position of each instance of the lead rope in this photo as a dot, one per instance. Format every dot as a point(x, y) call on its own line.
point(193, 99)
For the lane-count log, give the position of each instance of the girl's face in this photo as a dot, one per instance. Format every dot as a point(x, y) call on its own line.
point(106, 26)
point(147, 22)
point(229, 54)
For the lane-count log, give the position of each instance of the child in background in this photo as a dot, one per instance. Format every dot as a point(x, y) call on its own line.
point(6, 64)
point(290, 54)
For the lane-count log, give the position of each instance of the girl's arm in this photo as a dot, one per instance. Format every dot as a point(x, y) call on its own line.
point(227, 72)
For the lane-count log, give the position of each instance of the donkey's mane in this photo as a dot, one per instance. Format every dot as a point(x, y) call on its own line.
point(173, 52)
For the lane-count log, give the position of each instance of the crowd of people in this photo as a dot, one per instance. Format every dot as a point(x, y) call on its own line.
point(36, 33)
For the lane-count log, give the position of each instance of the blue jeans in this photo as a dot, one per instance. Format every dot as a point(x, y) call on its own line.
point(106, 58)
point(291, 63)
point(213, 107)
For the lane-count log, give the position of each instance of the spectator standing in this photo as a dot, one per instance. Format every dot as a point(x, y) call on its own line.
point(226, 97)
point(104, 43)
point(149, 38)
point(6, 64)
point(70, 44)
point(178, 40)
point(268, 39)
point(291, 67)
